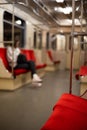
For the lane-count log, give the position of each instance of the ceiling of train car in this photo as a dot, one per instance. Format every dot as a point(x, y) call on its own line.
point(55, 12)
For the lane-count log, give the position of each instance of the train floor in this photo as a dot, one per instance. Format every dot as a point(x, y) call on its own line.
point(28, 108)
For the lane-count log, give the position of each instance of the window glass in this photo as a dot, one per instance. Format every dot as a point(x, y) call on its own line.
point(54, 42)
point(8, 16)
point(47, 40)
point(7, 32)
point(40, 40)
point(83, 42)
point(76, 43)
point(61, 42)
point(35, 39)
point(19, 29)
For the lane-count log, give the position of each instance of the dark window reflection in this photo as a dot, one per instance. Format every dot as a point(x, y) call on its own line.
point(35, 37)
point(40, 40)
point(54, 42)
point(47, 41)
point(18, 27)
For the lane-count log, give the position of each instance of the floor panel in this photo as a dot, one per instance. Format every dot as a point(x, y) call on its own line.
point(29, 107)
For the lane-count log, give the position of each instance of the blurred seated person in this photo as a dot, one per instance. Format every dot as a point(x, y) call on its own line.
point(14, 57)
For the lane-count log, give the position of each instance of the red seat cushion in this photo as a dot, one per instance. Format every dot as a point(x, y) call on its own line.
point(81, 72)
point(19, 71)
point(69, 113)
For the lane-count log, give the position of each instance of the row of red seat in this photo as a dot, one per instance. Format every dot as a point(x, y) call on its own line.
point(30, 56)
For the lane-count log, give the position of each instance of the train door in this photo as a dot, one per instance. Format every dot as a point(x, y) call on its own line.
point(76, 52)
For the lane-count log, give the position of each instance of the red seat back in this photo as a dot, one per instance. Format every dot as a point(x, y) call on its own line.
point(27, 53)
point(50, 55)
point(3, 57)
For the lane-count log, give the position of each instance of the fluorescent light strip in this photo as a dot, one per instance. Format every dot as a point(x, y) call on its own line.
point(60, 1)
point(66, 10)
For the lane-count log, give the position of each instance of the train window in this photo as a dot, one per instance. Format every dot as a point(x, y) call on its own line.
point(61, 44)
point(35, 39)
point(47, 40)
point(83, 42)
point(18, 25)
point(8, 16)
point(70, 43)
point(39, 40)
point(54, 42)
point(75, 45)
point(40, 43)
point(7, 32)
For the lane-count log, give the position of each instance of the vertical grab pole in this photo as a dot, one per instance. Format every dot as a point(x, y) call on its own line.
point(72, 42)
point(81, 29)
point(13, 38)
point(81, 15)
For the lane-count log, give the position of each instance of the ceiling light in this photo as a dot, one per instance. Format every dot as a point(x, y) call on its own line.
point(66, 10)
point(69, 22)
point(60, 1)
point(77, 8)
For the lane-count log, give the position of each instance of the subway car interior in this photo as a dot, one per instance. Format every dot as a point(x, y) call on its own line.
point(53, 36)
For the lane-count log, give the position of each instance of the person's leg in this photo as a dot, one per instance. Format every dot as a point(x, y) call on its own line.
point(22, 66)
point(30, 65)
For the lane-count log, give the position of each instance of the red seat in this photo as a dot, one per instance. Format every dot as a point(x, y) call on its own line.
point(69, 113)
point(20, 71)
point(3, 57)
point(27, 53)
point(81, 72)
point(51, 57)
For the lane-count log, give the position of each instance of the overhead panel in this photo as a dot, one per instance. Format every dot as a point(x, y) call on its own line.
point(52, 12)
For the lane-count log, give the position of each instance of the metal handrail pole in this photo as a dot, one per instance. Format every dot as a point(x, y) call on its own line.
point(72, 43)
